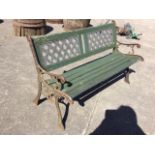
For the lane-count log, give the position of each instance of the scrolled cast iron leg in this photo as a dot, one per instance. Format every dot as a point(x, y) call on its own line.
point(36, 100)
point(127, 72)
point(60, 122)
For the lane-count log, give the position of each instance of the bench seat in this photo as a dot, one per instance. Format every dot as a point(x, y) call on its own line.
point(58, 50)
point(84, 77)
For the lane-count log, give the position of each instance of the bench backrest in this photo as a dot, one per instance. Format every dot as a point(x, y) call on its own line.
point(57, 50)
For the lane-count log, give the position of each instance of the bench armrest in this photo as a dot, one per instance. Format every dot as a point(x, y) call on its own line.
point(131, 45)
point(58, 77)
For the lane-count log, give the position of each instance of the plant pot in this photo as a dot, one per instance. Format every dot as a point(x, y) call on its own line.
point(75, 23)
point(55, 21)
point(23, 27)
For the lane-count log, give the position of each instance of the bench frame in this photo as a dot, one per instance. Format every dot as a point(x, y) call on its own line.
point(54, 93)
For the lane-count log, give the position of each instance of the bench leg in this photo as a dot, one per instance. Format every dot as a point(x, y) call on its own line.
point(36, 100)
point(127, 72)
point(60, 122)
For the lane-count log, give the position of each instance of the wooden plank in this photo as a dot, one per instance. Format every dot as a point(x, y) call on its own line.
point(92, 65)
point(85, 86)
point(80, 70)
point(95, 73)
point(93, 68)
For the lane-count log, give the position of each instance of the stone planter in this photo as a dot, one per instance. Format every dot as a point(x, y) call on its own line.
point(23, 27)
point(55, 21)
point(75, 23)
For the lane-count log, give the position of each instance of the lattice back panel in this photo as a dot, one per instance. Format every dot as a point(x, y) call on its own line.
point(61, 49)
point(56, 52)
point(100, 39)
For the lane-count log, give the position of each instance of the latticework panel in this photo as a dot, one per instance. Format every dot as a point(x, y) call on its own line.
point(54, 52)
point(100, 39)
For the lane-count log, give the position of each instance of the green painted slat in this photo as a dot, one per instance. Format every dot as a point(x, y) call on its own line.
point(93, 66)
point(108, 69)
point(95, 73)
point(84, 73)
point(103, 60)
point(131, 58)
point(80, 70)
point(81, 88)
point(87, 67)
point(97, 63)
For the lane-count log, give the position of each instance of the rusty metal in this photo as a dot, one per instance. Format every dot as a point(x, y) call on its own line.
point(131, 45)
point(49, 91)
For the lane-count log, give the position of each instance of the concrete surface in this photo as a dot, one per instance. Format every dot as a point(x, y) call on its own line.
point(118, 109)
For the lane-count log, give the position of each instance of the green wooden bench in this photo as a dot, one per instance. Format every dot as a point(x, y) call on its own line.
point(57, 50)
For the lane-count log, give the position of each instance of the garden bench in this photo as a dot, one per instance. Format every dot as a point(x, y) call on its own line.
point(57, 50)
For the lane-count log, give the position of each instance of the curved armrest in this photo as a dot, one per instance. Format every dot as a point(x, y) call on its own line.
point(131, 45)
point(59, 78)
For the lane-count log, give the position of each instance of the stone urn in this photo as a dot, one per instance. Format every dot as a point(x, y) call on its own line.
point(23, 27)
point(75, 23)
point(55, 21)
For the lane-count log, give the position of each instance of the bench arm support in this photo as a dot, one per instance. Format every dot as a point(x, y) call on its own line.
point(58, 77)
point(131, 45)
